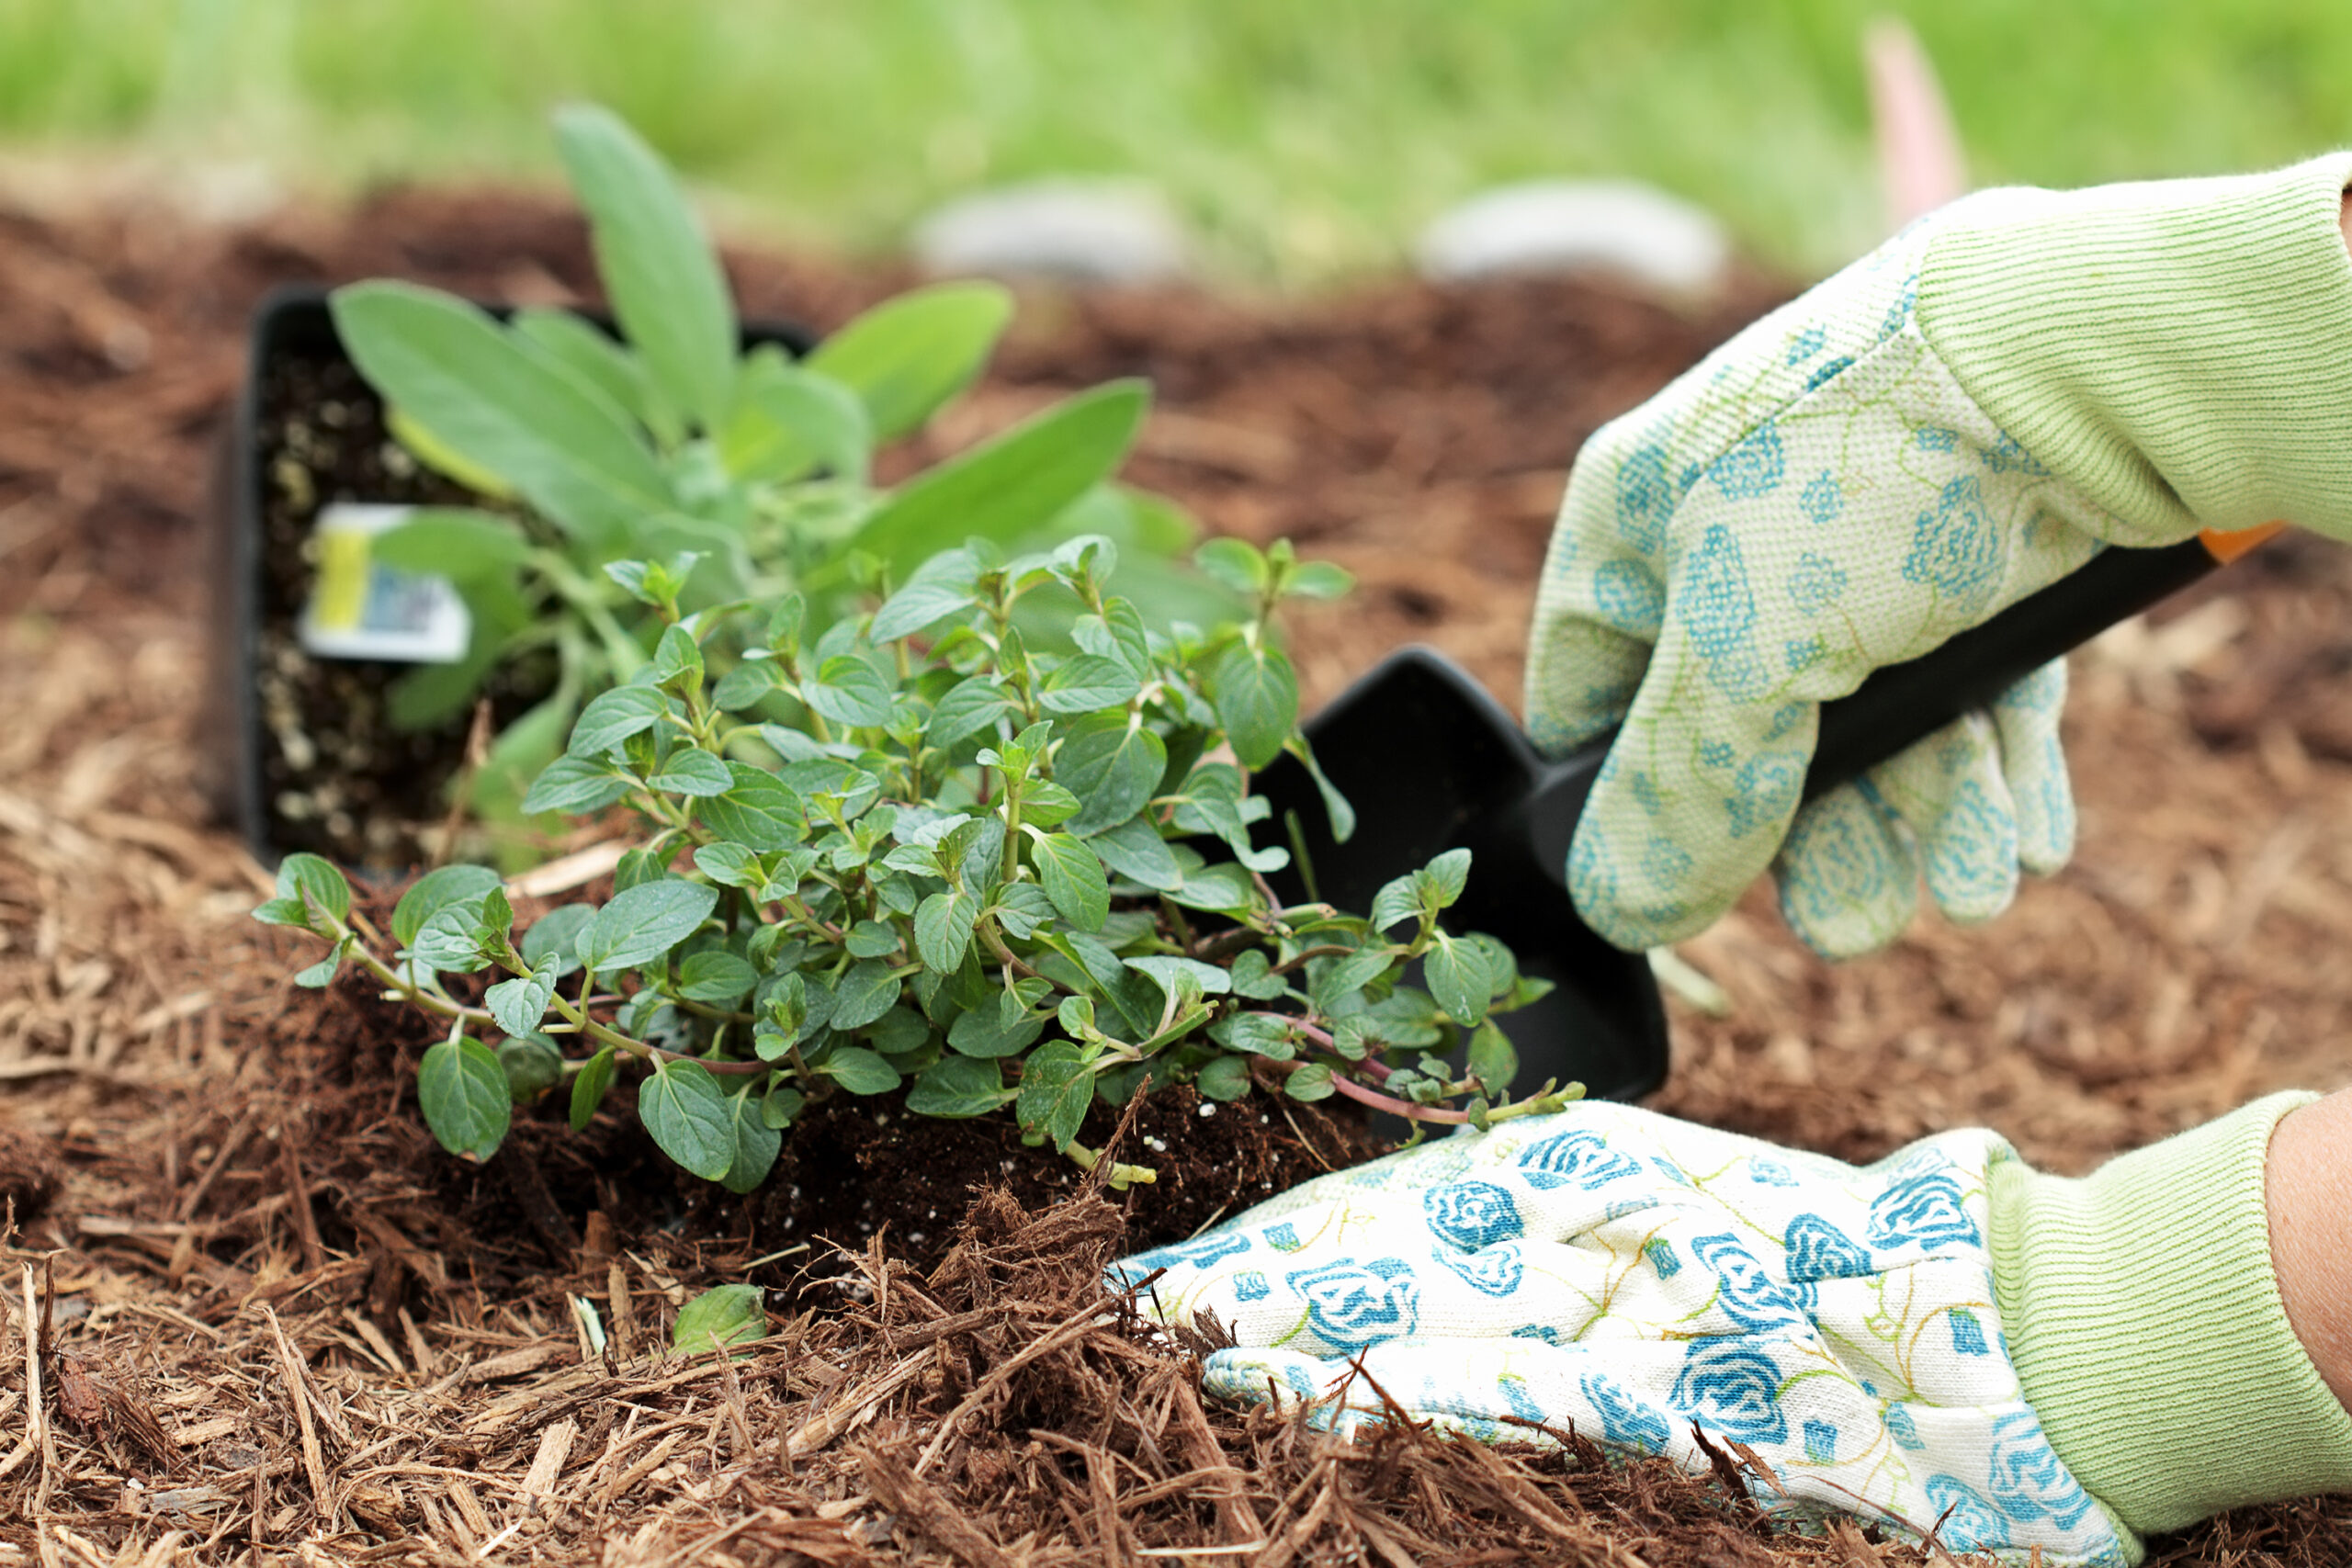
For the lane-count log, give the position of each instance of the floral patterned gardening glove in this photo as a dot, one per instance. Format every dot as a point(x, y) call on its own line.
point(1951, 423)
point(1637, 1279)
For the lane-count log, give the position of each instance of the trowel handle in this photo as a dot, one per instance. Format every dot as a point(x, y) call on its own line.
point(1906, 703)
point(1901, 703)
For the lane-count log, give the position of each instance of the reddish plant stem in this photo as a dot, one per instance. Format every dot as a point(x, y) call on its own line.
point(1373, 1064)
point(1390, 1103)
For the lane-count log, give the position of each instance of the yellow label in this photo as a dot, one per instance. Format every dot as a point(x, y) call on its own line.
point(341, 594)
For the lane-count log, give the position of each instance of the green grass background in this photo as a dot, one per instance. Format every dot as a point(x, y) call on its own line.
point(1308, 139)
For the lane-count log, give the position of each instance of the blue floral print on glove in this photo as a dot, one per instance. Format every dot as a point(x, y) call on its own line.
point(1637, 1279)
point(1816, 499)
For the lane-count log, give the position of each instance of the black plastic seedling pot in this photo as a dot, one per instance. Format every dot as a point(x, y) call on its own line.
point(306, 756)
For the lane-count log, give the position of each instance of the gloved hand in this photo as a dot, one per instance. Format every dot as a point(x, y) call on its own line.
point(1629, 1276)
point(1946, 426)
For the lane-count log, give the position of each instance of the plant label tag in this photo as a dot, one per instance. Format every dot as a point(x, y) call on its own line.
point(362, 608)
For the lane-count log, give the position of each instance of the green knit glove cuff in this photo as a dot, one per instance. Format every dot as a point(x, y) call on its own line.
point(2145, 1324)
point(2181, 350)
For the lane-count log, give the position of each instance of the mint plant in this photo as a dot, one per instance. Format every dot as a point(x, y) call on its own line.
point(988, 875)
point(673, 442)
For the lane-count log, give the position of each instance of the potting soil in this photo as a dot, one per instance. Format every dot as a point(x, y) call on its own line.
point(262, 1317)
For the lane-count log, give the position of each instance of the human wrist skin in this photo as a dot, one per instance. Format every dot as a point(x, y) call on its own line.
point(2145, 1318)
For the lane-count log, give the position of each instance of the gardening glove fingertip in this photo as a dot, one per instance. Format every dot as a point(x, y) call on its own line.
point(2027, 716)
point(1951, 794)
point(1254, 1375)
point(1696, 795)
point(1847, 879)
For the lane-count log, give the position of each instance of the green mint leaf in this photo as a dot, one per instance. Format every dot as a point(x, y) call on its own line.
point(677, 656)
point(684, 1108)
point(747, 684)
point(984, 1032)
point(941, 587)
point(1253, 976)
point(872, 939)
point(958, 1087)
point(435, 891)
point(1336, 806)
point(1255, 1034)
point(848, 690)
point(1341, 976)
point(572, 786)
point(643, 923)
point(973, 706)
point(658, 269)
point(550, 945)
point(1458, 979)
point(531, 1065)
point(759, 811)
point(1311, 1082)
point(943, 929)
point(756, 1142)
point(588, 1089)
point(1135, 851)
point(860, 1071)
point(1492, 1059)
point(463, 1092)
point(612, 718)
point(782, 1103)
point(1235, 563)
point(730, 865)
point(1256, 693)
point(320, 975)
point(284, 912)
point(1447, 875)
point(721, 1316)
point(1113, 764)
point(1022, 908)
point(520, 1005)
point(308, 878)
point(452, 941)
point(717, 978)
point(1087, 684)
point(1043, 804)
point(863, 993)
point(907, 356)
point(1056, 1089)
point(1183, 980)
point(1317, 580)
point(694, 773)
point(1073, 879)
point(1224, 1078)
point(1396, 901)
point(1223, 888)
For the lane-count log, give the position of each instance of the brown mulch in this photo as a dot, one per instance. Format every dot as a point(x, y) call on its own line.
point(261, 1318)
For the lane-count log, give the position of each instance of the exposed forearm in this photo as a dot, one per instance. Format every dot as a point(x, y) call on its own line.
point(2307, 1189)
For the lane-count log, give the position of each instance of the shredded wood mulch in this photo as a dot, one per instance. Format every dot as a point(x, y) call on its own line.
point(254, 1315)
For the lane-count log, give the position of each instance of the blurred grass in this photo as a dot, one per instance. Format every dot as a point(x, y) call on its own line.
point(1308, 137)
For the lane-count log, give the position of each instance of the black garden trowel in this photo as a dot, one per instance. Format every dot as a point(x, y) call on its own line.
point(1431, 762)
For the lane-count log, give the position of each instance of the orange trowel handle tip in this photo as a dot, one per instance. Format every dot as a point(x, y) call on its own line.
point(2226, 547)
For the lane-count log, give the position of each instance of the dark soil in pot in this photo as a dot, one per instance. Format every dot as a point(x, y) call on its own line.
point(335, 776)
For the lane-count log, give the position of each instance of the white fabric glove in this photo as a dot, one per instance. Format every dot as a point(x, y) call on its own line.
point(1948, 426)
point(1816, 499)
point(1633, 1277)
